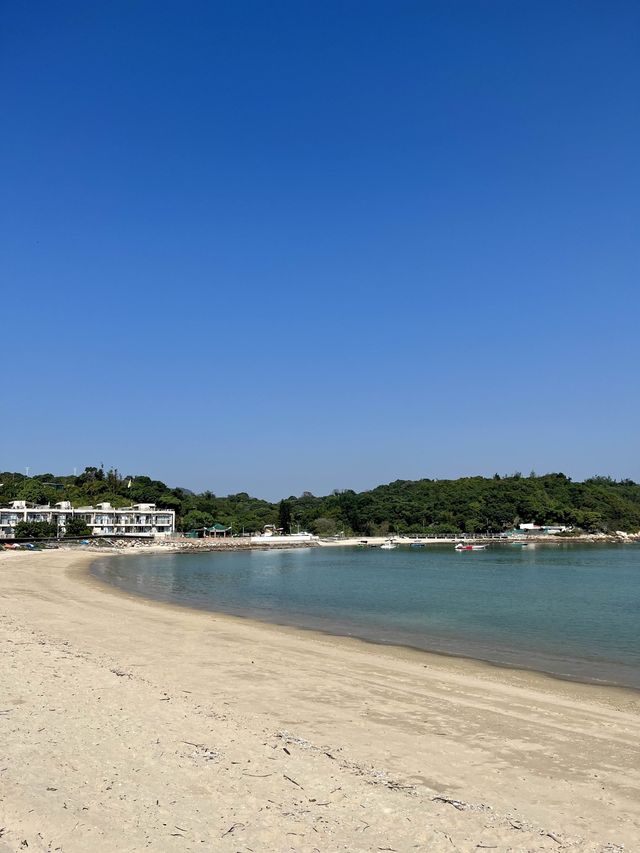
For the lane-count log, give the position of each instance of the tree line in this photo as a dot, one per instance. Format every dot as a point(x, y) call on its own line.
point(469, 504)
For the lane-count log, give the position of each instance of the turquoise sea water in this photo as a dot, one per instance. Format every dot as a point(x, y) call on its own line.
point(570, 610)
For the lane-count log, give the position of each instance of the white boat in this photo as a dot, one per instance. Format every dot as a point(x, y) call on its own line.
point(388, 545)
point(462, 547)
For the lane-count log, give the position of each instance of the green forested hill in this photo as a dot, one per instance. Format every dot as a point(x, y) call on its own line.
point(477, 504)
point(470, 504)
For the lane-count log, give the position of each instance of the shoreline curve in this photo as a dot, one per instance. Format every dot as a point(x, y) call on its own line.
point(253, 619)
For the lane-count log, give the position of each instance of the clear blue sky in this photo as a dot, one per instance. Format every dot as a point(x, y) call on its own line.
point(285, 246)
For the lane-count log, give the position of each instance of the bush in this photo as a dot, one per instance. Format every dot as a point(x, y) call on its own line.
point(77, 527)
point(36, 530)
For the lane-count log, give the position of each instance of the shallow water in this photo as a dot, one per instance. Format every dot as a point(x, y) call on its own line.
point(569, 610)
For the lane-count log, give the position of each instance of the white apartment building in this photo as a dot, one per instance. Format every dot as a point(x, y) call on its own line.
point(103, 520)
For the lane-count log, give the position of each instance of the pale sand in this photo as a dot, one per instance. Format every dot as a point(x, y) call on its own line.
point(127, 725)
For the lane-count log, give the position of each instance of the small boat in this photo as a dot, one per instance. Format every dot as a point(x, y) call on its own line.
point(388, 545)
point(462, 547)
point(417, 545)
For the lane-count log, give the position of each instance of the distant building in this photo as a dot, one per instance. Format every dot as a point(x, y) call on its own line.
point(205, 532)
point(103, 520)
point(530, 527)
point(218, 530)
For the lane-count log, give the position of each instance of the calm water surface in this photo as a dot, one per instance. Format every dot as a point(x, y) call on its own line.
point(570, 610)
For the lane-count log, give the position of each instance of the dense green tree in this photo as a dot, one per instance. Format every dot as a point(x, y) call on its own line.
point(77, 527)
point(284, 516)
point(324, 526)
point(34, 491)
point(36, 530)
point(90, 474)
point(196, 519)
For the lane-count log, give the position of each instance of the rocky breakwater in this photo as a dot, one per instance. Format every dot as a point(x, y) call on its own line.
point(185, 545)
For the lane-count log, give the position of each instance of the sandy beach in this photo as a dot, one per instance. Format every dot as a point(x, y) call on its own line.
point(129, 725)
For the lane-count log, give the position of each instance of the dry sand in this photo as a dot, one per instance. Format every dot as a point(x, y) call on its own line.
point(128, 725)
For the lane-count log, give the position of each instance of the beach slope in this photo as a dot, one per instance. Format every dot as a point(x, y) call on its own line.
point(132, 725)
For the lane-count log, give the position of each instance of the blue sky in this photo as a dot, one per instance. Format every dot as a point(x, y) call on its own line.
point(275, 247)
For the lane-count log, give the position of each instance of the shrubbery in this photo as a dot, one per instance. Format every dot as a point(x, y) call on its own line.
point(36, 530)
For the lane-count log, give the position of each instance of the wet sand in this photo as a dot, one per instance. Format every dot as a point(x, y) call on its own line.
point(133, 725)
